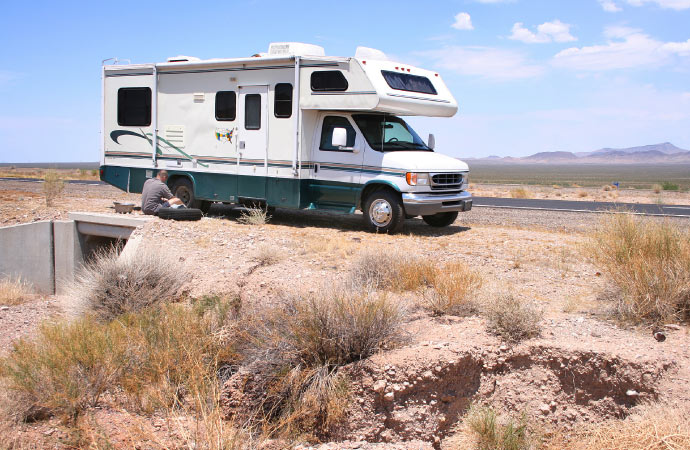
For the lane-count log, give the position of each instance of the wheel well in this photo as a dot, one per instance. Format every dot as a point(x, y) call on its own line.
point(173, 179)
point(374, 187)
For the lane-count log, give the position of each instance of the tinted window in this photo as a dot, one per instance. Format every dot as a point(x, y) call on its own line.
point(252, 111)
point(407, 82)
point(331, 122)
point(226, 105)
point(328, 80)
point(134, 107)
point(388, 133)
point(283, 100)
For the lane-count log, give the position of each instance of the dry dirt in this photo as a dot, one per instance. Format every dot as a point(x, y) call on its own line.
point(583, 368)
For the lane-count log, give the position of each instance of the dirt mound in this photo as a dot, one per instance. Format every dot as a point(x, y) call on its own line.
point(400, 403)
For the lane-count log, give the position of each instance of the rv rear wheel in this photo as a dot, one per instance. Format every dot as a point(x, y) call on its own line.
point(442, 219)
point(183, 189)
point(383, 212)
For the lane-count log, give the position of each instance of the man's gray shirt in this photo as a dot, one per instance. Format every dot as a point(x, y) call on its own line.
point(152, 195)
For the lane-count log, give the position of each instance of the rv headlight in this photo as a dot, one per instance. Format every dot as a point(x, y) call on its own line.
point(416, 178)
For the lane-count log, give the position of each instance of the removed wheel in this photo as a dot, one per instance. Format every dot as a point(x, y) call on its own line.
point(441, 219)
point(180, 213)
point(183, 189)
point(383, 212)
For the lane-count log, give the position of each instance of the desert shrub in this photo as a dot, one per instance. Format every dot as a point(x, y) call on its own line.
point(254, 215)
point(267, 255)
point(111, 285)
point(165, 356)
point(668, 186)
point(657, 188)
point(300, 346)
point(582, 194)
point(520, 192)
point(607, 187)
point(483, 429)
point(376, 269)
point(53, 186)
point(65, 369)
point(14, 291)
point(649, 262)
point(453, 289)
point(512, 319)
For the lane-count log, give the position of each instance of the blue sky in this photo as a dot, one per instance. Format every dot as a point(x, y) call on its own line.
point(529, 75)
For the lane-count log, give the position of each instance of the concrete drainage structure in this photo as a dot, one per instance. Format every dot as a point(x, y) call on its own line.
point(48, 254)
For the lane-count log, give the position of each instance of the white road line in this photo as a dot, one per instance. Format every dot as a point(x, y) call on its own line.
point(676, 207)
point(580, 210)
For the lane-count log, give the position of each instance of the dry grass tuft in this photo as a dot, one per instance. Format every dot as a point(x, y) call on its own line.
point(445, 289)
point(520, 193)
point(454, 287)
point(657, 188)
point(14, 291)
point(111, 285)
point(161, 357)
point(512, 319)
point(582, 194)
point(53, 186)
point(483, 429)
point(654, 428)
point(254, 215)
point(267, 255)
point(649, 261)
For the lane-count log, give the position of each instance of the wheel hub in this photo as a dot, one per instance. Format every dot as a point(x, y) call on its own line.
point(380, 212)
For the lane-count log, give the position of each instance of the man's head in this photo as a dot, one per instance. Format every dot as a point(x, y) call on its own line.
point(162, 175)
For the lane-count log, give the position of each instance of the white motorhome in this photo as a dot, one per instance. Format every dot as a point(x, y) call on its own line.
point(291, 128)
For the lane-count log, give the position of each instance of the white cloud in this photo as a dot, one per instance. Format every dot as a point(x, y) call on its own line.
point(627, 48)
point(668, 4)
point(463, 22)
point(555, 31)
point(609, 6)
point(485, 62)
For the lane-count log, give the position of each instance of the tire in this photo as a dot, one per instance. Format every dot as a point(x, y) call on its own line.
point(442, 219)
point(205, 206)
point(183, 189)
point(383, 212)
point(180, 213)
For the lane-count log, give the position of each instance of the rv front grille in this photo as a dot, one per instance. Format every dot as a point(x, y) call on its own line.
point(446, 180)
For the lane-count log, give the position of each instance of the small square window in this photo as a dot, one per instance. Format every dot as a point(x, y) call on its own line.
point(226, 105)
point(134, 107)
point(328, 80)
point(282, 106)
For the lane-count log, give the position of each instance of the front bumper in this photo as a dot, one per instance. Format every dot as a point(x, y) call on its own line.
point(426, 204)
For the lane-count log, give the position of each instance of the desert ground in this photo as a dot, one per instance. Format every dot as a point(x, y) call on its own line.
point(582, 372)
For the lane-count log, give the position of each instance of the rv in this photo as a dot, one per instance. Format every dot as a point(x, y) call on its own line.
point(290, 128)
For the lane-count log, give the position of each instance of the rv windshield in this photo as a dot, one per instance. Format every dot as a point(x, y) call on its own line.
point(388, 133)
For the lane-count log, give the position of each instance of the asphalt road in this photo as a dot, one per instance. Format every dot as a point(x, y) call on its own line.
point(522, 203)
point(581, 206)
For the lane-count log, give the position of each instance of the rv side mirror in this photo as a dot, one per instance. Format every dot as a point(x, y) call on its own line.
point(431, 143)
point(339, 138)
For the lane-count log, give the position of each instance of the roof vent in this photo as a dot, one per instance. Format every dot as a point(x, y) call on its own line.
point(295, 48)
point(182, 58)
point(370, 53)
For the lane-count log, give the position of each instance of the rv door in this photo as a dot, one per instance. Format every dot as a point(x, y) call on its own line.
point(252, 142)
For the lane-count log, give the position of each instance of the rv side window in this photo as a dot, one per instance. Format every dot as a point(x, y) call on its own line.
point(328, 80)
point(134, 107)
point(407, 82)
point(252, 112)
point(282, 105)
point(225, 105)
point(331, 122)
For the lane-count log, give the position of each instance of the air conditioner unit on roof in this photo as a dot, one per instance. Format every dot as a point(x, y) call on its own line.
point(295, 48)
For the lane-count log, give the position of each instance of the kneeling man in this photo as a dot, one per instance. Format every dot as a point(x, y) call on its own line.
point(156, 195)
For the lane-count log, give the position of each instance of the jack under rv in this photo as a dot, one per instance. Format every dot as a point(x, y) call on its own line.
point(291, 128)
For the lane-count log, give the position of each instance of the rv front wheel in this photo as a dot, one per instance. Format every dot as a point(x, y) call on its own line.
point(383, 212)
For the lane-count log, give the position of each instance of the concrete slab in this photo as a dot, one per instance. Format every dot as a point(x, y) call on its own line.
point(119, 220)
point(68, 251)
point(26, 251)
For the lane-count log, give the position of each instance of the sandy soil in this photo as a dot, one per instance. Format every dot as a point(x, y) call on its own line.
point(603, 194)
point(578, 371)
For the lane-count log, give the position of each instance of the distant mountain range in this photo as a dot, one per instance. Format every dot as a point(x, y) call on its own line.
point(646, 154)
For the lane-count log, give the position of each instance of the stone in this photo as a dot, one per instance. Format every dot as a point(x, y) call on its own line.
point(380, 386)
point(545, 409)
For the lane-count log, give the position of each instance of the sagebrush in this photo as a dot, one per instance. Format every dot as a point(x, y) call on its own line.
point(110, 285)
point(254, 215)
point(53, 186)
point(511, 318)
point(14, 291)
point(649, 262)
